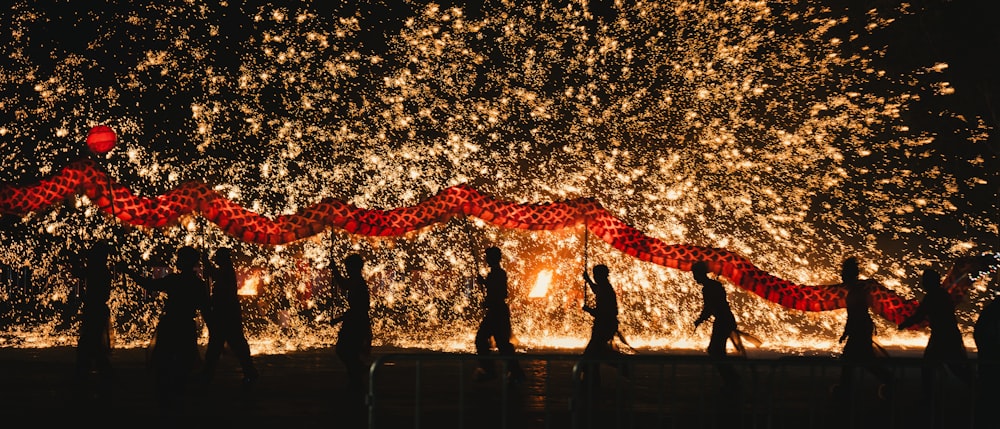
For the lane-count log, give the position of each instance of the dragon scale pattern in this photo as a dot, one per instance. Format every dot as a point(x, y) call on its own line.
point(86, 177)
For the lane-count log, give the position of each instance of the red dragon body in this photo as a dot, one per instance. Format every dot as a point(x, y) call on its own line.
point(85, 177)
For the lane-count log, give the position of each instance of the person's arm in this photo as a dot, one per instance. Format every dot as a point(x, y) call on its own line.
point(707, 308)
point(338, 279)
point(210, 269)
point(347, 313)
point(586, 278)
point(480, 280)
point(134, 275)
point(342, 284)
point(205, 306)
point(77, 267)
point(705, 314)
point(148, 283)
point(701, 318)
point(918, 315)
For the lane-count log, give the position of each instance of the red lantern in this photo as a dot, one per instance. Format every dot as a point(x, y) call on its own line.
point(101, 139)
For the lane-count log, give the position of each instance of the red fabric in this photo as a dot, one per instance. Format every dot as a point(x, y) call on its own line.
point(84, 176)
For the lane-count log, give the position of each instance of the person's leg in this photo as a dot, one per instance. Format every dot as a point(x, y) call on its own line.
point(483, 336)
point(958, 364)
point(356, 374)
point(928, 373)
point(351, 357)
point(102, 359)
point(883, 374)
point(846, 374)
point(86, 348)
point(241, 348)
point(505, 348)
point(216, 341)
point(82, 358)
point(717, 350)
point(590, 372)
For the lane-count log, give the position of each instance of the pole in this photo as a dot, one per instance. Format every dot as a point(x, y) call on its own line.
point(586, 251)
point(470, 292)
point(204, 249)
point(114, 236)
point(472, 250)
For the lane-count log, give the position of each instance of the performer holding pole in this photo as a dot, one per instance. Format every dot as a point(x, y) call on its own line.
point(496, 322)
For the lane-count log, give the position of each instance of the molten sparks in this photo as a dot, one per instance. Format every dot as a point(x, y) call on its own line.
point(768, 128)
point(542, 282)
point(249, 286)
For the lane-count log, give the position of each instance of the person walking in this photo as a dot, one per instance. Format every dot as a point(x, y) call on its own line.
point(227, 319)
point(945, 347)
point(93, 349)
point(715, 305)
point(175, 352)
point(496, 322)
point(354, 340)
point(859, 349)
point(605, 327)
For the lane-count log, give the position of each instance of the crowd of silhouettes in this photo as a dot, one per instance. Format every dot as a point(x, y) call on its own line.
point(175, 351)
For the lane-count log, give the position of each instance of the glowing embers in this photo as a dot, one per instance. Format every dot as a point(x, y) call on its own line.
point(251, 283)
point(542, 282)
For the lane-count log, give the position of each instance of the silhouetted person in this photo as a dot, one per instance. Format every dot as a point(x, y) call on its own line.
point(602, 333)
point(175, 352)
point(858, 332)
point(944, 346)
point(354, 341)
point(987, 336)
point(226, 325)
point(496, 321)
point(93, 349)
point(724, 325)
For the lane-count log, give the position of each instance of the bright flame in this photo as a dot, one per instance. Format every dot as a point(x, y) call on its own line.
point(541, 284)
point(249, 287)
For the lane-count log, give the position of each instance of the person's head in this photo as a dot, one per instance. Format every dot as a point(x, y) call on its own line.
point(600, 278)
point(849, 270)
point(353, 263)
point(930, 279)
point(223, 256)
point(700, 270)
point(187, 258)
point(493, 255)
point(601, 271)
point(99, 252)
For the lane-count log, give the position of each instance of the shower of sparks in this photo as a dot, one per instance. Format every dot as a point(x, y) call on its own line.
point(776, 130)
point(542, 282)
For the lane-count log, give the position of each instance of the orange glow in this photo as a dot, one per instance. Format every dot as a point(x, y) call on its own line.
point(249, 286)
point(541, 284)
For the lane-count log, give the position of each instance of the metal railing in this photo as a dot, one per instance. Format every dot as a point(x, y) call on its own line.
point(664, 391)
